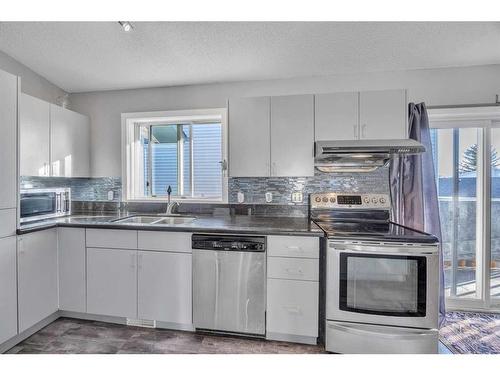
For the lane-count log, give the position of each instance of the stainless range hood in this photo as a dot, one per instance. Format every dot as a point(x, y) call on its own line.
point(361, 155)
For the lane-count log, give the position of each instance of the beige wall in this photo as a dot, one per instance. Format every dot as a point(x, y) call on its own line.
point(31, 83)
point(434, 86)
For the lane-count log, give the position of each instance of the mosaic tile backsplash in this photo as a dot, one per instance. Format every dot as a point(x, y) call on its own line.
point(82, 188)
point(253, 188)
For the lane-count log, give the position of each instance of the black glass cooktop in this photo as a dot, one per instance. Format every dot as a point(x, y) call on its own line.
point(373, 230)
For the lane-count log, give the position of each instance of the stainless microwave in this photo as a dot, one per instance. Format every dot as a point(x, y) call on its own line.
point(40, 204)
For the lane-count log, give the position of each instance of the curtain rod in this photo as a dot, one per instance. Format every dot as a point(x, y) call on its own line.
point(496, 104)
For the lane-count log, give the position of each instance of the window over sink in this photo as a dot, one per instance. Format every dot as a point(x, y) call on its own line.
point(185, 150)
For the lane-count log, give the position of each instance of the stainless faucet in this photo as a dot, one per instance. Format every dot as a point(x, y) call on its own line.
point(171, 205)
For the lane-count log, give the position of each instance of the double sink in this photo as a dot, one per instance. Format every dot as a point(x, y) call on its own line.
point(155, 220)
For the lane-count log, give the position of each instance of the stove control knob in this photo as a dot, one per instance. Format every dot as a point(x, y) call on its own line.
point(382, 200)
point(317, 199)
point(366, 200)
point(325, 199)
point(375, 200)
point(332, 199)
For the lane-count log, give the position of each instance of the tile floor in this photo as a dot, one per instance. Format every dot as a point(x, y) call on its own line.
point(74, 336)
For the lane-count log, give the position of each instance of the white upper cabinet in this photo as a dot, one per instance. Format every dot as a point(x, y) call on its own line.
point(336, 116)
point(274, 136)
point(8, 140)
point(249, 140)
point(34, 136)
point(383, 114)
point(54, 140)
point(361, 115)
point(70, 143)
point(292, 135)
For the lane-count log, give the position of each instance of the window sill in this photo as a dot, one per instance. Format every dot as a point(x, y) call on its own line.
point(173, 199)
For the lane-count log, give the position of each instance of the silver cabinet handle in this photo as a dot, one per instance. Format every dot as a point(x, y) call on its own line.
point(293, 309)
point(297, 272)
point(132, 260)
point(355, 129)
point(139, 261)
point(363, 131)
point(273, 169)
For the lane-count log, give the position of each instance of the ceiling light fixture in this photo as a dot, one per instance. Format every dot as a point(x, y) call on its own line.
point(126, 26)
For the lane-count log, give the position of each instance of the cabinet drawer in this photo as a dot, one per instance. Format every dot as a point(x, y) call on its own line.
point(112, 238)
point(165, 241)
point(291, 246)
point(292, 307)
point(293, 268)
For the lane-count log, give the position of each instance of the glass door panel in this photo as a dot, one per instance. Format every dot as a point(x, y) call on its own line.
point(494, 261)
point(383, 284)
point(456, 160)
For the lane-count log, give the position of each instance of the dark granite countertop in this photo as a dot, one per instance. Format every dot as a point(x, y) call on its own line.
point(241, 224)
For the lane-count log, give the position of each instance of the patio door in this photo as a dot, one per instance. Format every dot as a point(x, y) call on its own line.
point(466, 147)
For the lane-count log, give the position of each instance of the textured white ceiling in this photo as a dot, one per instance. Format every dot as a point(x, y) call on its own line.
point(91, 56)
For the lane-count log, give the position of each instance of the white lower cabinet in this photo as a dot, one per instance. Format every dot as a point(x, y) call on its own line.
point(8, 289)
point(71, 252)
point(292, 307)
point(164, 281)
point(37, 277)
point(112, 282)
point(292, 289)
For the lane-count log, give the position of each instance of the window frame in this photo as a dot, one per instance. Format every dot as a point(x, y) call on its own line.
point(130, 157)
point(483, 118)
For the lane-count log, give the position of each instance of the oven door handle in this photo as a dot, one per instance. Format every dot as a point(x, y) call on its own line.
point(58, 202)
point(385, 250)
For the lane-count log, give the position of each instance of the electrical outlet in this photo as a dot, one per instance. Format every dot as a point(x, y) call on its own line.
point(241, 197)
point(297, 197)
point(111, 195)
point(269, 197)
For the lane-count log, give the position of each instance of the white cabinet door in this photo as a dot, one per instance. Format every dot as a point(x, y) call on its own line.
point(112, 282)
point(292, 136)
point(70, 143)
point(8, 222)
point(383, 114)
point(336, 116)
point(165, 287)
point(34, 136)
point(37, 277)
point(292, 307)
point(8, 140)
point(8, 289)
point(71, 250)
point(249, 142)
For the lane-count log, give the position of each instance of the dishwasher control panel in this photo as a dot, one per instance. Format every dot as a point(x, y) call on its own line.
point(228, 243)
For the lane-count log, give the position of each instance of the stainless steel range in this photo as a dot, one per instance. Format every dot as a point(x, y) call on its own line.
point(382, 279)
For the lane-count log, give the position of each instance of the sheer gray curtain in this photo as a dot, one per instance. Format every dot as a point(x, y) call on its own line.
point(413, 187)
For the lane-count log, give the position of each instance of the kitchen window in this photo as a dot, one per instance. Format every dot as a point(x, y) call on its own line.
point(185, 150)
point(466, 146)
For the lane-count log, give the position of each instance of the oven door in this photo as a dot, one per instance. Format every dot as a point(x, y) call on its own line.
point(383, 284)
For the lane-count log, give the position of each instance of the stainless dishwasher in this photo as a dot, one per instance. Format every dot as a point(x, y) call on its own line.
point(229, 283)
